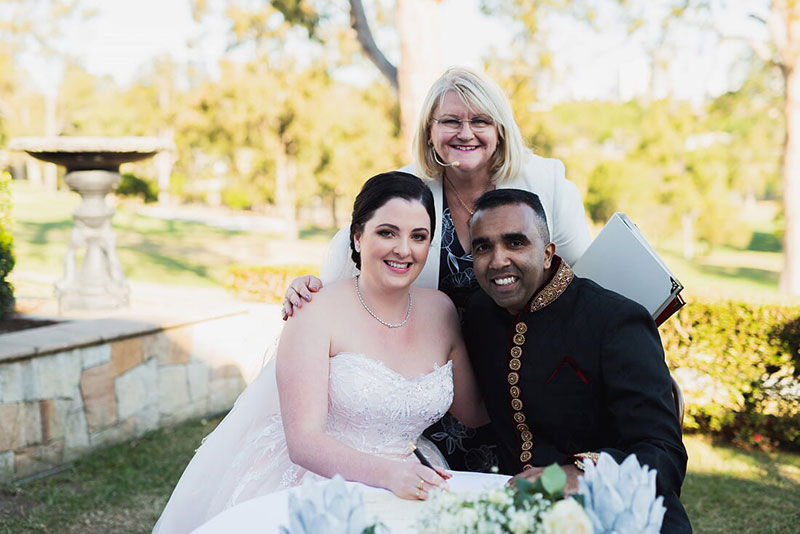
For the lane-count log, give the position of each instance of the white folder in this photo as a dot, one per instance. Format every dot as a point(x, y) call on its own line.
point(621, 259)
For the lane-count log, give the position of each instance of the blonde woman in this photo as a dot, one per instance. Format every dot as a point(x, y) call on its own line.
point(467, 143)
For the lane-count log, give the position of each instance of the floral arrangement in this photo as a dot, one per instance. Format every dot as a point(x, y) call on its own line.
point(621, 499)
point(612, 499)
point(328, 508)
point(530, 508)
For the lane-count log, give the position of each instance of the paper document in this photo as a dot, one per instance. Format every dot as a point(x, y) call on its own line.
point(621, 259)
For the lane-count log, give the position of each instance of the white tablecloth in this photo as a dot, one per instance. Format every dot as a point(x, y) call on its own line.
point(265, 515)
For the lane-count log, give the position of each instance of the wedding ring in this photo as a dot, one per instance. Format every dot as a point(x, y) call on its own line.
point(420, 485)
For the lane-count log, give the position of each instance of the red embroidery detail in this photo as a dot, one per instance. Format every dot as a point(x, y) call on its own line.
point(568, 359)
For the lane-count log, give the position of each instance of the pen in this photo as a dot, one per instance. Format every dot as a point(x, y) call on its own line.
point(421, 457)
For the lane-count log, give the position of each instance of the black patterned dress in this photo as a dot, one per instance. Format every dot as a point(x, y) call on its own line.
point(465, 448)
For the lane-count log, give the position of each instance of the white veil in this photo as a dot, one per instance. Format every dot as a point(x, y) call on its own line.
point(338, 264)
point(191, 502)
point(195, 499)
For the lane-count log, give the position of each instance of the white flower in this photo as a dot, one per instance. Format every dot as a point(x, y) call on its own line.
point(499, 496)
point(467, 517)
point(521, 522)
point(566, 517)
point(621, 499)
point(326, 508)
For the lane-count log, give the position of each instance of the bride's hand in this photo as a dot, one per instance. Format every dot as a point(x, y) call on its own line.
point(299, 289)
point(412, 480)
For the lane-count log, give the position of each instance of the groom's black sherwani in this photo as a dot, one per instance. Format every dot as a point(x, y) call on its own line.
point(580, 370)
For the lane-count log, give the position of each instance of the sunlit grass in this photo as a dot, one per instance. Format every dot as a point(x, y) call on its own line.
point(123, 488)
point(730, 490)
point(150, 249)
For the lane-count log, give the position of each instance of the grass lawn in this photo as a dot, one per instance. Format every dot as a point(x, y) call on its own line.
point(123, 488)
point(150, 249)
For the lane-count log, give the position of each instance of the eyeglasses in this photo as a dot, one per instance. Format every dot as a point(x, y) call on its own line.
point(454, 124)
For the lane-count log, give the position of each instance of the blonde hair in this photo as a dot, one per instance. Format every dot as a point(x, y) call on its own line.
point(483, 96)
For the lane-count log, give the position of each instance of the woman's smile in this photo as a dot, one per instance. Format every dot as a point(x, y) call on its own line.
point(397, 266)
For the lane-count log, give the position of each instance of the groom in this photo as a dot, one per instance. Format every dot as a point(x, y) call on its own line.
point(567, 368)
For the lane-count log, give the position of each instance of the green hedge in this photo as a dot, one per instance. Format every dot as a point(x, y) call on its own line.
point(6, 250)
point(131, 185)
point(738, 365)
point(264, 283)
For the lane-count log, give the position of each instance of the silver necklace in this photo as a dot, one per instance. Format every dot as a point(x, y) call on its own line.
point(372, 313)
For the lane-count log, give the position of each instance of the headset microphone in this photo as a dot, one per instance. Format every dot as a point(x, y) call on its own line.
point(443, 164)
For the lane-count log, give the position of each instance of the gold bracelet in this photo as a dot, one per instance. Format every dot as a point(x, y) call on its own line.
point(581, 456)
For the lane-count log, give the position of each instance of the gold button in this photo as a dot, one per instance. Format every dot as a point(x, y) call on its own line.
point(526, 435)
point(516, 404)
point(521, 328)
point(514, 390)
point(516, 352)
point(519, 339)
point(513, 378)
point(514, 364)
point(525, 456)
point(526, 467)
point(522, 427)
point(526, 446)
point(519, 417)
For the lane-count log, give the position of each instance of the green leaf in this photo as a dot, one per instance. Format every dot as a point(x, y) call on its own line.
point(524, 485)
point(554, 479)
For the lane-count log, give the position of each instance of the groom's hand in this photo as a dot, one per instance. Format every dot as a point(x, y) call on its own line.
point(531, 475)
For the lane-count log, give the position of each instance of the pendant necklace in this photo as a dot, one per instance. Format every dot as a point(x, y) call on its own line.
point(458, 197)
point(372, 313)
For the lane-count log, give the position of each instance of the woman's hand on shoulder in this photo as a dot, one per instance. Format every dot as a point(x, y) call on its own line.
point(412, 480)
point(299, 290)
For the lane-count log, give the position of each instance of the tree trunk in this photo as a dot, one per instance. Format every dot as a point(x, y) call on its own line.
point(358, 21)
point(421, 59)
point(790, 277)
point(285, 174)
point(420, 53)
point(687, 225)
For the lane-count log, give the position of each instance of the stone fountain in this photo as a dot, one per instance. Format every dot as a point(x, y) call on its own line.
point(92, 165)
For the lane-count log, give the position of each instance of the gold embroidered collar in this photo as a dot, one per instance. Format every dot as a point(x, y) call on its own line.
point(555, 287)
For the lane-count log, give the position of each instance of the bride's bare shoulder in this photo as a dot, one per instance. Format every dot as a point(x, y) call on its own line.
point(331, 295)
point(435, 301)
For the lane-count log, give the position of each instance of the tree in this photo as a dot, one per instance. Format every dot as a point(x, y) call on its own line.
point(780, 20)
point(420, 59)
point(783, 24)
point(36, 25)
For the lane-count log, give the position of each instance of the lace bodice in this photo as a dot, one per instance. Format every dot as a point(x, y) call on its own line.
point(375, 409)
point(370, 408)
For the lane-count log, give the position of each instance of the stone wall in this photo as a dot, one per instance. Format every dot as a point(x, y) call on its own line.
point(71, 388)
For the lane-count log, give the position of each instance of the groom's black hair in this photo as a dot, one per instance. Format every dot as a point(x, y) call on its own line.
point(509, 197)
point(379, 190)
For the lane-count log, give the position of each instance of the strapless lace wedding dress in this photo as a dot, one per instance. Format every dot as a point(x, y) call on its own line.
point(371, 408)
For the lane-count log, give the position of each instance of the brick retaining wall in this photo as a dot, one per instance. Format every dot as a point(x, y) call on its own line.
point(71, 388)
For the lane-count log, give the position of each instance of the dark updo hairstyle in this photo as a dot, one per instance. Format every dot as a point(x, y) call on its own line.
point(379, 190)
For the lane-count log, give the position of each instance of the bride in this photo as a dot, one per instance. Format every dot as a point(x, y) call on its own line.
point(360, 375)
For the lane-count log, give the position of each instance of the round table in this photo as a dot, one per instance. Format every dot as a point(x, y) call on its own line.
point(266, 514)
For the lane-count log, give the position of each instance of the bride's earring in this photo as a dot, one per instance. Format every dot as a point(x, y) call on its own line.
point(358, 247)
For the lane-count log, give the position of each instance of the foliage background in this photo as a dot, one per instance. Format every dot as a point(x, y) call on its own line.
point(7, 259)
